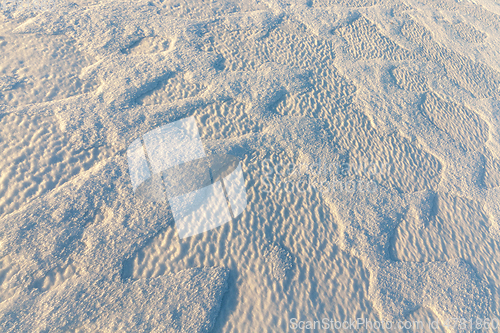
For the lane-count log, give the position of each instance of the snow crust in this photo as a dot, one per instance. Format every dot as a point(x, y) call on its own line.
point(425, 74)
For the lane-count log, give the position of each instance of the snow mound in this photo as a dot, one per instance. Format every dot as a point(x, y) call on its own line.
point(188, 301)
point(450, 289)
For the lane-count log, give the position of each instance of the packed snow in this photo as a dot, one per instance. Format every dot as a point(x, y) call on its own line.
point(369, 138)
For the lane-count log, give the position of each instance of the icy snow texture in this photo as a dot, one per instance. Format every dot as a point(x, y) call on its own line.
point(188, 301)
point(403, 76)
point(109, 28)
point(88, 221)
point(94, 117)
point(8, 82)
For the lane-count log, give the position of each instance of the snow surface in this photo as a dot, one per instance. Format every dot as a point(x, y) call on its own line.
point(411, 90)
